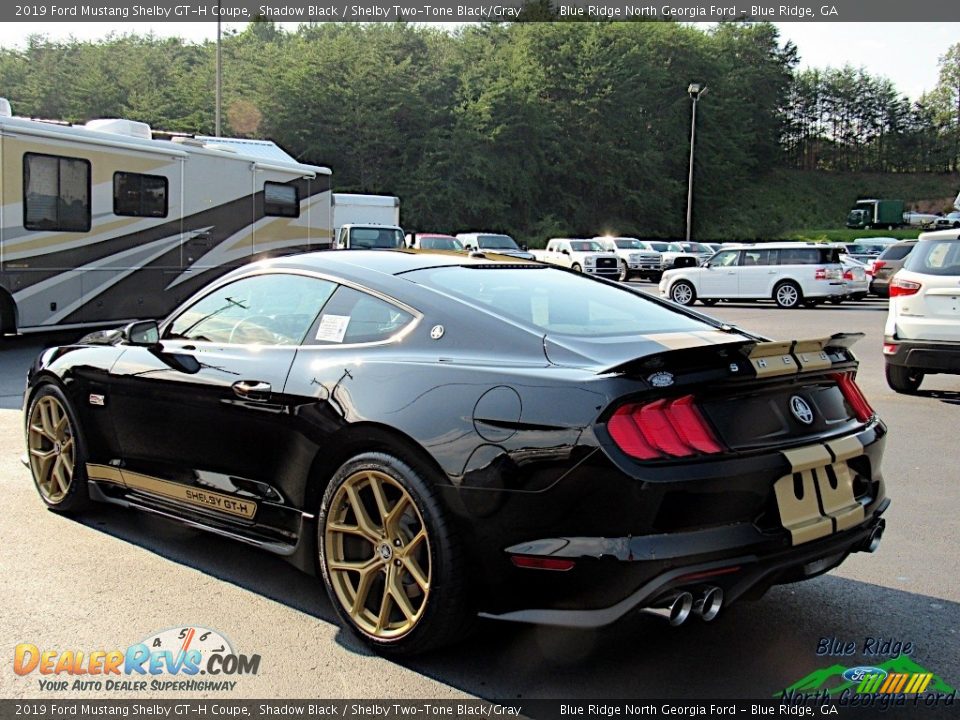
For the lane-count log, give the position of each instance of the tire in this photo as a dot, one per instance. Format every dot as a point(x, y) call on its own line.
point(682, 293)
point(624, 272)
point(56, 451)
point(656, 277)
point(576, 268)
point(709, 302)
point(903, 379)
point(811, 303)
point(836, 301)
point(415, 554)
point(787, 294)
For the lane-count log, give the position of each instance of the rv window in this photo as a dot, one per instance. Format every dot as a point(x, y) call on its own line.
point(56, 193)
point(282, 200)
point(139, 195)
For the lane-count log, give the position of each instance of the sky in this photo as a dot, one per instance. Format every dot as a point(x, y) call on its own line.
point(905, 52)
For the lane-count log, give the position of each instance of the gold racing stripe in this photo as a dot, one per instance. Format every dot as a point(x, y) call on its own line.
point(821, 508)
point(810, 354)
point(676, 340)
point(801, 515)
point(174, 491)
point(771, 359)
point(104, 473)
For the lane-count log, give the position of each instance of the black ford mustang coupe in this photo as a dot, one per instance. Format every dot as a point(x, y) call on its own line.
point(442, 436)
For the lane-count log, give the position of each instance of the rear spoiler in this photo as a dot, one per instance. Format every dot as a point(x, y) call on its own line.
point(745, 360)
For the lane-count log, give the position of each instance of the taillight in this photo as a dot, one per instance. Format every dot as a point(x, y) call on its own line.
point(662, 429)
point(899, 287)
point(848, 275)
point(877, 264)
point(820, 274)
point(853, 395)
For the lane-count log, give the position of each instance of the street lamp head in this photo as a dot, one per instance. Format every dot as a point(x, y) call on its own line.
point(696, 89)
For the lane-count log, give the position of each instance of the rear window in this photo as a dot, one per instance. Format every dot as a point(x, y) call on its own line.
point(896, 252)
point(554, 301)
point(935, 257)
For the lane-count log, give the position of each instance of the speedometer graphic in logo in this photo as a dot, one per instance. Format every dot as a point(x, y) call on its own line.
point(192, 637)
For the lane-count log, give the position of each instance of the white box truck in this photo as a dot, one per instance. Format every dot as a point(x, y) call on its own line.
point(365, 214)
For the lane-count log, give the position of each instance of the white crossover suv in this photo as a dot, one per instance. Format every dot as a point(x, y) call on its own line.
point(922, 334)
point(789, 273)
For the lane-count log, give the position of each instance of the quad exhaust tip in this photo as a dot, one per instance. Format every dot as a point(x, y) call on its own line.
point(873, 541)
point(675, 609)
point(708, 605)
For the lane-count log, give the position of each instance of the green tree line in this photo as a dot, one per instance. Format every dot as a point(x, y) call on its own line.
point(533, 128)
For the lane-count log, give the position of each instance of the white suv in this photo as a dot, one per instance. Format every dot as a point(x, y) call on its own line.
point(791, 274)
point(922, 334)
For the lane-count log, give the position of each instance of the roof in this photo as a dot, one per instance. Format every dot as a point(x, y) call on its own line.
point(389, 262)
point(941, 235)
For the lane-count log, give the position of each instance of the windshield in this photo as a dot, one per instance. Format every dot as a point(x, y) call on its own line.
point(440, 243)
point(375, 238)
point(496, 242)
point(629, 244)
point(662, 247)
point(555, 301)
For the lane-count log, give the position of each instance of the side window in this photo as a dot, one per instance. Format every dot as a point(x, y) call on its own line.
point(275, 309)
point(725, 259)
point(799, 256)
point(352, 317)
point(56, 193)
point(139, 195)
point(759, 257)
point(281, 200)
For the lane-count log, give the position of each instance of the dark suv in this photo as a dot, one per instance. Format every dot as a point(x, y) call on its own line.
point(886, 266)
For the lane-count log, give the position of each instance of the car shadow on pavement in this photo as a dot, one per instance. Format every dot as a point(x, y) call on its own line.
point(950, 397)
point(753, 650)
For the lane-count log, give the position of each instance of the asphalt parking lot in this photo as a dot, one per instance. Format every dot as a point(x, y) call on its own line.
point(113, 578)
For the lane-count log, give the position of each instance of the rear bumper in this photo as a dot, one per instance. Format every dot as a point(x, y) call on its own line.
point(737, 574)
point(924, 355)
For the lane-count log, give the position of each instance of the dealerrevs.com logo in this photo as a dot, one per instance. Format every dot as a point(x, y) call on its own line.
point(187, 659)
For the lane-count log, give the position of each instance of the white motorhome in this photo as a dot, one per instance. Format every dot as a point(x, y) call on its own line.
point(102, 223)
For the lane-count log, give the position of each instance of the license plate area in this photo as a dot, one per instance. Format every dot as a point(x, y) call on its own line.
point(816, 498)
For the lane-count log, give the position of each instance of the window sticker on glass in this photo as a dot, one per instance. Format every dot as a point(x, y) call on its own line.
point(333, 328)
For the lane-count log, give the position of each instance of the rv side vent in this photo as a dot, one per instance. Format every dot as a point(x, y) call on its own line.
point(181, 140)
point(119, 126)
point(5, 109)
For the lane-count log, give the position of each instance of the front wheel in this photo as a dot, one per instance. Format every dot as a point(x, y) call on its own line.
point(389, 559)
point(576, 267)
point(903, 379)
point(787, 295)
point(624, 272)
point(683, 293)
point(56, 451)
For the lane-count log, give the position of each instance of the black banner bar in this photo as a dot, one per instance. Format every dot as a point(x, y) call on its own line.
point(892, 706)
point(459, 11)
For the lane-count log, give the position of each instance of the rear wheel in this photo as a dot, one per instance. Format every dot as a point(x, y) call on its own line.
point(903, 379)
point(390, 561)
point(56, 452)
point(683, 293)
point(787, 294)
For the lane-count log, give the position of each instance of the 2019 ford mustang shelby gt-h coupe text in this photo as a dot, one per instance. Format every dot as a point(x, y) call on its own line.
point(441, 437)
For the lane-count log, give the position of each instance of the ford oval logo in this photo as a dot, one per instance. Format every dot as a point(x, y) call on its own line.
point(801, 410)
point(857, 674)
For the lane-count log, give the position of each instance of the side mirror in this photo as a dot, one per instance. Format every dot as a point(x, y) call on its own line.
point(565, 251)
point(523, 246)
point(145, 333)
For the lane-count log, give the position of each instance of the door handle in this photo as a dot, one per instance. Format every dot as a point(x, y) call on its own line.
point(252, 390)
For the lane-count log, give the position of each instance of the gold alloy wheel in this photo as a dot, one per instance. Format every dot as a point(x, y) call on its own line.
point(52, 448)
point(378, 554)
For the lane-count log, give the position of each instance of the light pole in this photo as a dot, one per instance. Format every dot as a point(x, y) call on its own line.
point(219, 91)
point(696, 90)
